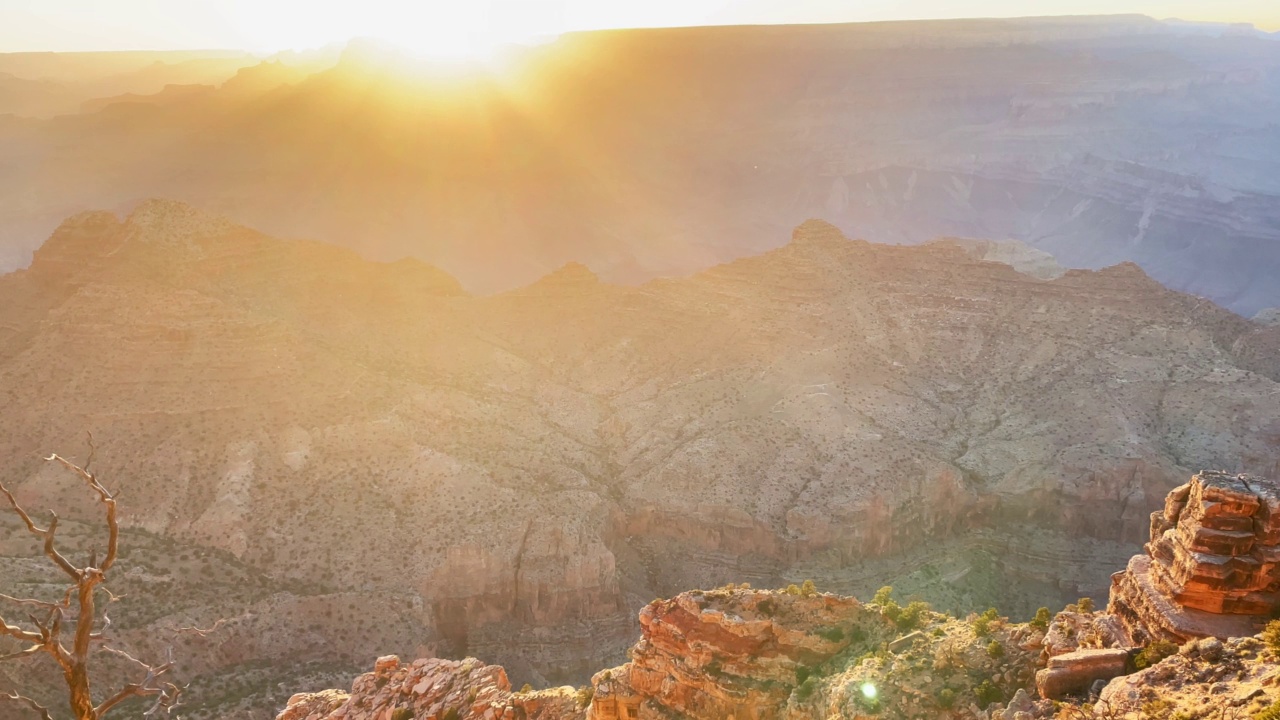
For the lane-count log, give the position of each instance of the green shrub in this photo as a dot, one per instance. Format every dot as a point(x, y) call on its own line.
point(991, 614)
point(1271, 712)
point(982, 626)
point(526, 688)
point(808, 589)
point(995, 649)
point(892, 611)
point(805, 691)
point(1271, 636)
point(883, 596)
point(987, 693)
point(451, 714)
point(584, 696)
point(912, 614)
point(946, 698)
point(1085, 604)
point(802, 674)
point(402, 714)
point(792, 589)
point(1154, 653)
point(1041, 620)
point(766, 607)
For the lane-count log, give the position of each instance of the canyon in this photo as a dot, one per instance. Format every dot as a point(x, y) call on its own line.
point(1099, 140)
point(335, 458)
point(753, 654)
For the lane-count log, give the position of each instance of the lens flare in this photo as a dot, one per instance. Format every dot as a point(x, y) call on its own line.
point(869, 691)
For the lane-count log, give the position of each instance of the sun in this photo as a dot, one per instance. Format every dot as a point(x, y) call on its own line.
point(447, 31)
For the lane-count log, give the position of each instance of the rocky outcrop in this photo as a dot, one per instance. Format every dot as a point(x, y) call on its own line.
point(1075, 672)
point(725, 654)
point(1206, 678)
point(433, 689)
point(1212, 567)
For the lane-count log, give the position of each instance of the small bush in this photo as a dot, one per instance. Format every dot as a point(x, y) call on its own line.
point(584, 696)
point(883, 596)
point(1154, 653)
point(805, 691)
point(1041, 620)
point(1085, 604)
point(991, 614)
point(1271, 712)
point(987, 693)
point(792, 589)
point(451, 714)
point(1271, 636)
point(402, 714)
point(912, 614)
point(982, 626)
point(802, 674)
point(526, 688)
point(995, 649)
point(808, 589)
point(766, 607)
point(946, 698)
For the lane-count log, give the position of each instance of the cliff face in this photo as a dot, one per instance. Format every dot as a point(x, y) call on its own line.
point(1212, 567)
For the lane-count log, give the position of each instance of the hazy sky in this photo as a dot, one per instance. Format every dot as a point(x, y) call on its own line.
point(266, 25)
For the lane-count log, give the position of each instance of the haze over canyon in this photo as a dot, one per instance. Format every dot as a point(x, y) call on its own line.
point(467, 363)
point(645, 153)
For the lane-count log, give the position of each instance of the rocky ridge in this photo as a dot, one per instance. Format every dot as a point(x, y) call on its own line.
point(513, 476)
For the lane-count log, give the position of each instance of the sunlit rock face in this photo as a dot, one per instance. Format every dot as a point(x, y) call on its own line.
point(1212, 567)
point(662, 152)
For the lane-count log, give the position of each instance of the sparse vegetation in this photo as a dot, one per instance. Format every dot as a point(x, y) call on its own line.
point(1154, 653)
point(1271, 636)
point(1041, 620)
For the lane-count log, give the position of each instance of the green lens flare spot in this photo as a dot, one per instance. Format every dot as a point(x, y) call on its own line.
point(869, 691)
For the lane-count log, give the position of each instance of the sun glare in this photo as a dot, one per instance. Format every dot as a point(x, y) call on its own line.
point(449, 32)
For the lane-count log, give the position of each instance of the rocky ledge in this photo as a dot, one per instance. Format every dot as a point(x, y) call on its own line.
point(1212, 567)
point(432, 689)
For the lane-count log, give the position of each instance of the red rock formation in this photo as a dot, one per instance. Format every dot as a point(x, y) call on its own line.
point(1212, 567)
point(720, 654)
point(429, 689)
point(1074, 672)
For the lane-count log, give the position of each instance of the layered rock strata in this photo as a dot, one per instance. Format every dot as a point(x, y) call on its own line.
point(718, 654)
point(1212, 567)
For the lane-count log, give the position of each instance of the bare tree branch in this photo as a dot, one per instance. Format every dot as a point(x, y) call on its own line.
point(15, 697)
point(88, 628)
point(22, 653)
point(45, 533)
point(113, 528)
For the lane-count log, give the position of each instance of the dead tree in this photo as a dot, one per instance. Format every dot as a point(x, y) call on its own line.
point(75, 618)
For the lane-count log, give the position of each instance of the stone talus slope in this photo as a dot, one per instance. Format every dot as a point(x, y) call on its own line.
point(527, 469)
